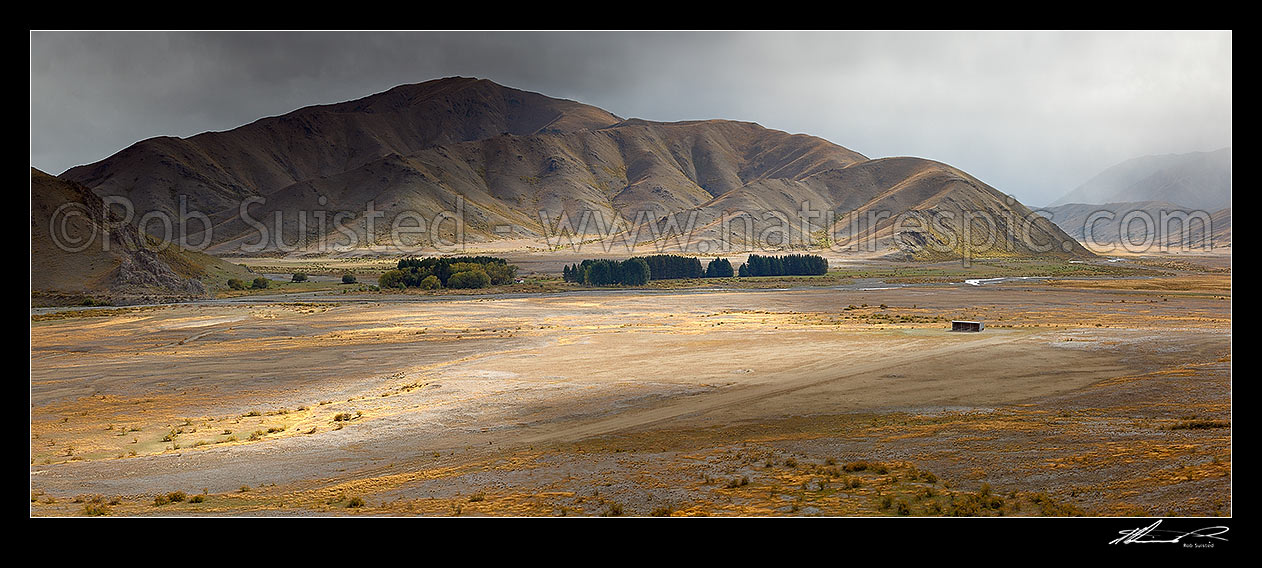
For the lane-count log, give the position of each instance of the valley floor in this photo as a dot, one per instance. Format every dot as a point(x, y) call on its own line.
point(1095, 397)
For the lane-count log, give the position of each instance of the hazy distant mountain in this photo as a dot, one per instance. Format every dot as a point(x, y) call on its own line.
point(129, 268)
point(1136, 222)
point(1200, 180)
point(1150, 189)
point(502, 156)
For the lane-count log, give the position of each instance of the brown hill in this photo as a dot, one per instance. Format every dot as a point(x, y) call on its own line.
point(217, 169)
point(512, 164)
point(506, 181)
point(80, 250)
point(920, 208)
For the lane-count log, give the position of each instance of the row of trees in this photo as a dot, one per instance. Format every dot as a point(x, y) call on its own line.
point(670, 266)
point(259, 283)
point(637, 271)
point(788, 265)
point(630, 272)
point(449, 272)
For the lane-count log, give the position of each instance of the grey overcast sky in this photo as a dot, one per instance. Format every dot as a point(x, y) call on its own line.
point(1034, 114)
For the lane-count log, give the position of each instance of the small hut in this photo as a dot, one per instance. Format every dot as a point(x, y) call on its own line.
point(962, 325)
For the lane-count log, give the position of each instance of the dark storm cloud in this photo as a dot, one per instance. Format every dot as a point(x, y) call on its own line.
point(1033, 114)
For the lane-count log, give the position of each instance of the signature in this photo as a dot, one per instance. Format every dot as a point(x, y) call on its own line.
point(1151, 534)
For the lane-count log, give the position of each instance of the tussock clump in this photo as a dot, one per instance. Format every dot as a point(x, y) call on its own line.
point(874, 467)
point(1049, 507)
point(96, 509)
point(1200, 424)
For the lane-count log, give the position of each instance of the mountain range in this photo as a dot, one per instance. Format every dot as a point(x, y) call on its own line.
point(516, 164)
point(1149, 189)
point(1200, 180)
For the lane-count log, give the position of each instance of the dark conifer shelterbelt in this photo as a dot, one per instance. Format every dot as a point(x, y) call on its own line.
point(672, 266)
point(602, 272)
point(788, 265)
point(630, 272)
point(719, 268)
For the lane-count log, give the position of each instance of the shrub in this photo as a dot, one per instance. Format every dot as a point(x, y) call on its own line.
point(355, 503)
point(349, 278)
point(476, 278)
point(391, 279)
point(260, 283)
point(299, 277)
point(431, 282)
point(236, 284)
point(965, 505)
point(176, 496)
point(500, 273)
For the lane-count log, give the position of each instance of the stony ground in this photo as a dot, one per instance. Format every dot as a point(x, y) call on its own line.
point(1082, 397)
